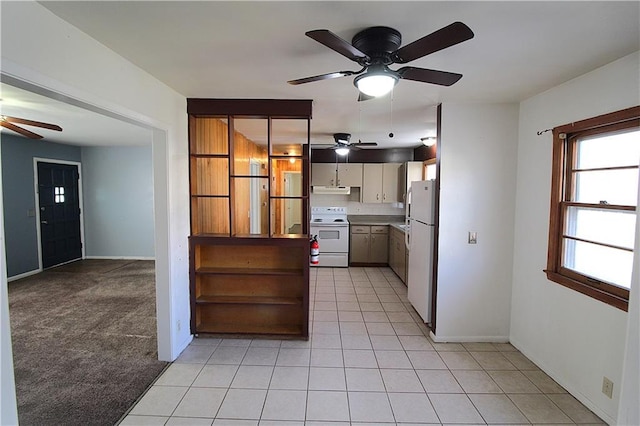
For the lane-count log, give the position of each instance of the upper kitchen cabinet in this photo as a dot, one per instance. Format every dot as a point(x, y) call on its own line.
point(350, 174)
point(345, 174)
point(323, 174)
point(380, 183)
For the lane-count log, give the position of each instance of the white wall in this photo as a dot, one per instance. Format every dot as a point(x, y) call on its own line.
point(8, 405)
point(477, 193)
point(574, 338)
point(118, 201)
point(55, 55)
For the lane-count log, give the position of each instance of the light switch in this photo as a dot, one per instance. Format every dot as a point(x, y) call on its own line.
point(473, 237)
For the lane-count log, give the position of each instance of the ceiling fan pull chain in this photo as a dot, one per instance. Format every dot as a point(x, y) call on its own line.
point(391, 113)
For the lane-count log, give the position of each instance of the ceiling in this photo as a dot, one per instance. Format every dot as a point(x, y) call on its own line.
point(241, 49)
point(79, 126)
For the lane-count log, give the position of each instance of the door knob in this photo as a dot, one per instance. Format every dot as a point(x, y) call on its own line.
point(44, 222)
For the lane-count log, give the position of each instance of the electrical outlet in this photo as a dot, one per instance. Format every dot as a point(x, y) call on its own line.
point(473, 237)
point(607, 387)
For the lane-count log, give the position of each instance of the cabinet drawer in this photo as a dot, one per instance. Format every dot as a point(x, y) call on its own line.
point(380, 229)
point(360, 229)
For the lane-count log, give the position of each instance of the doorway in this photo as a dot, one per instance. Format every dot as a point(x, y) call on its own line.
point(59, 212)
point(292, 211)
point(254, 210)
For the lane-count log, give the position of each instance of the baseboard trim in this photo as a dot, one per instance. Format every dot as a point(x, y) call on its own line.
point(120, 257)
point(468, 339)
point(24, 275)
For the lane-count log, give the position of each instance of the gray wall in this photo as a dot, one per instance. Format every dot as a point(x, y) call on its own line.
point(118, 201)
point(19, 196)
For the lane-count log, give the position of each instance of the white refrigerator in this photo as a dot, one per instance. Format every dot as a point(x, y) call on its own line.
point(419, 234)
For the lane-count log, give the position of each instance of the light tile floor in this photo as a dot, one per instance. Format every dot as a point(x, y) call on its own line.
point(369, 361)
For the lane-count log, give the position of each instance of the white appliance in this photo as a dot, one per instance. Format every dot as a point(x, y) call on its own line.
point(333, 190)
point(331, 226)
point(419, 240)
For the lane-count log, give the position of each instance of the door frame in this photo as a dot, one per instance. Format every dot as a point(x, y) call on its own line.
point(37, 160)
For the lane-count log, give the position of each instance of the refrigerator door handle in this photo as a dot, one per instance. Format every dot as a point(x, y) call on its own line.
point(406, 218)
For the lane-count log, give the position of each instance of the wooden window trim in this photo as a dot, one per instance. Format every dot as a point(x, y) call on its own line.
point(561, 184)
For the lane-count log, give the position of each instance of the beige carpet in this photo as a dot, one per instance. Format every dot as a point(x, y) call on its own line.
point(84, 341)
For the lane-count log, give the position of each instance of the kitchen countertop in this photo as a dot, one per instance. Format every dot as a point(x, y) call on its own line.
point(395, 221)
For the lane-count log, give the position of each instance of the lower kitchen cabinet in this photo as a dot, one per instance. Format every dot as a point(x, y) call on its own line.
point(398, 253)
point(369, 244)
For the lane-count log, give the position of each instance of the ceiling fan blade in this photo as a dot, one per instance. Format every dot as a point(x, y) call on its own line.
point(438, 40)
point(322, 77)
point(32, 123)
point(443, 78)
point(20, 130)
point(337, 44)
point(365, 144)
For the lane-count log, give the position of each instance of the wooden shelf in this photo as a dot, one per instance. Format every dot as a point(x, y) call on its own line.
point(249, 300)
point(233, 328)
point(248, 271)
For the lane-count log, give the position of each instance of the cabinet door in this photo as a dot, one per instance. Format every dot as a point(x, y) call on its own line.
point(379, 248)
point(350, 174)
point(323, 174)
point(393, 258)
point(402, 260)
point(390, 182)
point(359, 251)
point(372, 183)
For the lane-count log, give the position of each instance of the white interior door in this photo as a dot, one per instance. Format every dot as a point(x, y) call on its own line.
point(254, 210)
point(293, 188)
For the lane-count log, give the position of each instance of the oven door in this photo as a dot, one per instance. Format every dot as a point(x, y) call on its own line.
point(332, 238)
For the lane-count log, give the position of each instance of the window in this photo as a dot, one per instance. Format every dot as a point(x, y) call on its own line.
point(430, 169)
point(593, 205)
point(58, 194)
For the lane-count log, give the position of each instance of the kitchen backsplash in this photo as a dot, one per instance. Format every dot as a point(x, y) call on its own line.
point(354, 206)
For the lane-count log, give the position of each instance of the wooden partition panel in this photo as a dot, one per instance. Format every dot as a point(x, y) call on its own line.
point(245, 277)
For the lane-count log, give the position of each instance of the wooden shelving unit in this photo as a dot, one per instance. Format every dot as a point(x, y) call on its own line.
point(248, 254)
point(249, 286)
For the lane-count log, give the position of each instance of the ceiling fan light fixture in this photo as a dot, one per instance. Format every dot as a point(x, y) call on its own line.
point(343, 150)
point(376, 83)
point(428, 141)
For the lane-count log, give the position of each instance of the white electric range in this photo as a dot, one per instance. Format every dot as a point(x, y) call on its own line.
point(331, 226)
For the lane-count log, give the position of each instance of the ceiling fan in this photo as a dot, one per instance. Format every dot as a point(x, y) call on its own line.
point(7, 122)
point(375, 48)
point(342, 144)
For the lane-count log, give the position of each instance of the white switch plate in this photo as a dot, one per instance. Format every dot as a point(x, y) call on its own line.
point(607, 387)
point(473, 237)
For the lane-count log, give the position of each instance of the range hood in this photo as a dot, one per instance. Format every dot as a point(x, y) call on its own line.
point(340, 190)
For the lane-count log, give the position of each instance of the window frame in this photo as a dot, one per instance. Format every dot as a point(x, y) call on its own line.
point(564, 138)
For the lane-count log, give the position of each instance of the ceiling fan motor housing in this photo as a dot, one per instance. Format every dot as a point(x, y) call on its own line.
point(378, 43)
point(342, 138)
